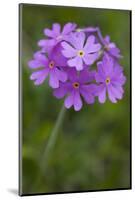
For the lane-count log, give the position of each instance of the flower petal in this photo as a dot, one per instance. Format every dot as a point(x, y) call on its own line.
point(57, 56)
point(61, 91)
point(77, 101)
point(40, 57)
point(86, 92)
point(80, 40)
point(68, 28)
point(117, 91)
point(76, 62)
point(33, 64)
point(47, 44)
point(111, 94)
point(89, 59)
point(56, 29)
point(90, 47)
point(53, 81)
point(68, 51)
point(102, 93)
point(49, 33)
point(61, 75)
point(77, 40)
point(39, 76)
point(69, 100)
point(72, 74)
point(42, 43)
point(84, 76)
point(107, 65)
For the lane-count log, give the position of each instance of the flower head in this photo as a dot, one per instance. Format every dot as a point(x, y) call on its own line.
point(66, 57)
point(75, 87)
point(110, 79)
point(51, 66)
point(80, 52)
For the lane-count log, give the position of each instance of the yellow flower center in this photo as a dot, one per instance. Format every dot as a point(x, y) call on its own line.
point(51, 64)
point(107, 80)
point(76, 85)
point(80, 53)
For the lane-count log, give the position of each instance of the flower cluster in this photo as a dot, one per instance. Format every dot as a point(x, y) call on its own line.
point(81, 64)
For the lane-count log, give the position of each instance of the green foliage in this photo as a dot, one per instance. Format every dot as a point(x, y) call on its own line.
point(92, 151)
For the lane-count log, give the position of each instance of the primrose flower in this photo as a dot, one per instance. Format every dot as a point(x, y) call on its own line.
point(111, 47)
point(75, 87)
point(80, 52)
point(47, 66)
point(66, 57)
point(110, 78)
point(56, 35)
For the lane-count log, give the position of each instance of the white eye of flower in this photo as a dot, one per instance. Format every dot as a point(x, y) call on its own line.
point(80, 53)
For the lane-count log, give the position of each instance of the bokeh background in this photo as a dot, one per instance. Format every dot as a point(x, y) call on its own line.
point(92, 150)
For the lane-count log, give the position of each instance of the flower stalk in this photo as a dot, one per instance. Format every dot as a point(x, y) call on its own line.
point(52, 139)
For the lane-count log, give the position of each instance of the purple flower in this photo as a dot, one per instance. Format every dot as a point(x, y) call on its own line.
point(56, 35)
point(66, 56)
point(52, 66)
point(111, 48)
point(110, 78)
point(77, 86)
point(79, 52)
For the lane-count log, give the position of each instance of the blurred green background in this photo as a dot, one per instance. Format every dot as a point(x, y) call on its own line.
point(92, 151)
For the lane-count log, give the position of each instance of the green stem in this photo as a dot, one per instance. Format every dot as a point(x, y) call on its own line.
point(49, 147)
point(52, 138)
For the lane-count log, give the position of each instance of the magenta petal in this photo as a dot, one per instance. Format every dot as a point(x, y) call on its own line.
point(90, 47)
point(68, 51)
point(111, 94)
point(56, 29)
point(69, 100)
point(61, 75)
point(77, 101)
point(33, 64)
point(57, 56)
point(46, 44)
point(86, 92)
point(39, 76)
point(102, 94)
point(118, 80)
point(68, 28)
point(99, 78)
point(77, 40)
point(40, 80)
point(107, 39)
point(81, 40)
point(61, 91)
point(53, 81)
point(84, 76)
point(107, 65)
point(76, 62)
point(40, 57)
point(89, 59)
point(49, 33)
point(42, 43)
point(72, 74)
point(116, 91)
